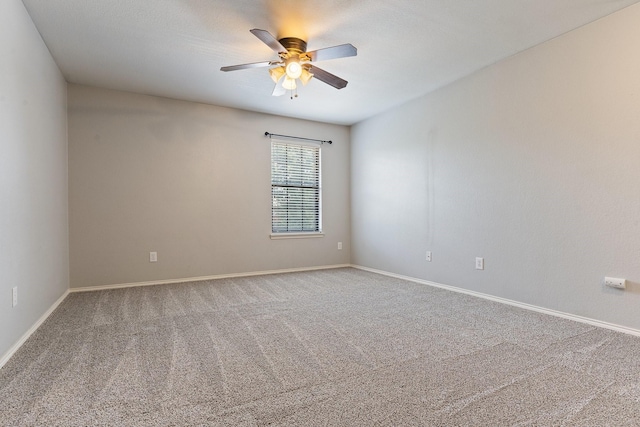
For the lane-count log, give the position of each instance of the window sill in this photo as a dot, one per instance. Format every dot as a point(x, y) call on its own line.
point(279, 236)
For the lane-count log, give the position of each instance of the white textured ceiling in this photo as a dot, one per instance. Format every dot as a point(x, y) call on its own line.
point(406, 48)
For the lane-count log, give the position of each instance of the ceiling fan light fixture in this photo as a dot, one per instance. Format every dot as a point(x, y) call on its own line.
point(293, 69)
point(305, 76)
point(276, 73)
point(289, 83)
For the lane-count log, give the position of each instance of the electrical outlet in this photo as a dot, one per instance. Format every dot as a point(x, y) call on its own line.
point(14, 296)
point(428, 256)
point(153, 256)
point(339, 246)
point(615, 283)
point(479, 263)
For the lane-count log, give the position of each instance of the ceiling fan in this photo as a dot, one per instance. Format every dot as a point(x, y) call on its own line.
point(295, 63)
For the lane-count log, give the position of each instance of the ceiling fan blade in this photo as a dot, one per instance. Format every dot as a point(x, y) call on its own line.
point(268, 39)
point(245, 66)
point(278, 90)
point(341, 51)
point(327, 77)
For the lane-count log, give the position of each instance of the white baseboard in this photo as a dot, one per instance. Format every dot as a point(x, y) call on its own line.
point(199, 279)
point(592, 322)
point(5, 357)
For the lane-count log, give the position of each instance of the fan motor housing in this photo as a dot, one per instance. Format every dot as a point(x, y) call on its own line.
point(294, 45)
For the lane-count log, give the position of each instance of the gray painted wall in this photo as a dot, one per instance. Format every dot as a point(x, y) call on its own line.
point(33, 175)
point(192, 182)
point(532, 163)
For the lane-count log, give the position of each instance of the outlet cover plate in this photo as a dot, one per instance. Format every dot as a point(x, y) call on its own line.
point(479, 263)
point(613, 282)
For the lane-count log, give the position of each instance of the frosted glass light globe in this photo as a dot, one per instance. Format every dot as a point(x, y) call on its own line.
point(289, 83)
point(294, 70)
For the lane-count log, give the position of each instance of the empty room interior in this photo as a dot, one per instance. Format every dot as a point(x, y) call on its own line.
point(301, 213)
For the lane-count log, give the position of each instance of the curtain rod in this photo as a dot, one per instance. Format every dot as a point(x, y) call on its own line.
point(297, 137)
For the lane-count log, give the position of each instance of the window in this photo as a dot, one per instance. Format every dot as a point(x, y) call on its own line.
point(295, 188)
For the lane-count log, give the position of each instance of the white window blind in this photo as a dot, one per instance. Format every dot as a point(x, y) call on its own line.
point(295, 188)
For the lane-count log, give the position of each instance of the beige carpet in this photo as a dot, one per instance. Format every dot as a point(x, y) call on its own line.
point(328, 348)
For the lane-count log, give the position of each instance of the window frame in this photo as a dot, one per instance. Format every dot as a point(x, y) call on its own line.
point(276, 235)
